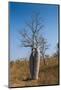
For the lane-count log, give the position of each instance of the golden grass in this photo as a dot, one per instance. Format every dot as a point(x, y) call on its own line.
point(19, 74)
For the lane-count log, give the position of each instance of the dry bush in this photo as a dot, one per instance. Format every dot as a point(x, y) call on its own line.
point(20, 74)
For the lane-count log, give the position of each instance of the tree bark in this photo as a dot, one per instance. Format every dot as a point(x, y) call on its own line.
point(34, 65)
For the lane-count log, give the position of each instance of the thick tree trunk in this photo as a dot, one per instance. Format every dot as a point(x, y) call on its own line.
point(31, 64)
point(34, 65)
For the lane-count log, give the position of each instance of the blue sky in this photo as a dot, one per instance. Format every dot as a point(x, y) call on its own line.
point(21, 12)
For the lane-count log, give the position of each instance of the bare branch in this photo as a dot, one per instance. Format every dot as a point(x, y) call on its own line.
point(35, 25)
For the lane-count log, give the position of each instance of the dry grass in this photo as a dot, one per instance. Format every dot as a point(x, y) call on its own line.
point(19, 74)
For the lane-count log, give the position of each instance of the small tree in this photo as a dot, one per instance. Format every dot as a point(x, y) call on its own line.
point(43, 48)
point(56, 51)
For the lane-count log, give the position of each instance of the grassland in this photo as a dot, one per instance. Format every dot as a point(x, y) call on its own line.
point(19, 73)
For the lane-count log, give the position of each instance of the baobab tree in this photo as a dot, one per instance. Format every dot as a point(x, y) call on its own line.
point(31, 37)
